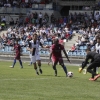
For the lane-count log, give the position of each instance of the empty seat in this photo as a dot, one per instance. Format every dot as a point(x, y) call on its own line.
point(73, 53)
point(83, 53)
point(6, 48)
point(81, 47)
point(69, 53)
point(24, 50)
point(84, 47)
point(78, 54)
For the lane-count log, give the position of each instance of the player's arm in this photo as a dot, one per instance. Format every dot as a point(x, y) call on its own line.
point(84, 63)
point(66, 54)
point(50, 56)
point(30, 49)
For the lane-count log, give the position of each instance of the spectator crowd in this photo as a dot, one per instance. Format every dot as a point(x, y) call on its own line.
point(22, 3)
point(49, 27)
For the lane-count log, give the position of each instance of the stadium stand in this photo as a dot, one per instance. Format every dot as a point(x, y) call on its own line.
point(87, 25)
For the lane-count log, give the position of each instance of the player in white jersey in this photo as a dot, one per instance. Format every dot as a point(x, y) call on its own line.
point(97, 46)
point(35, 43)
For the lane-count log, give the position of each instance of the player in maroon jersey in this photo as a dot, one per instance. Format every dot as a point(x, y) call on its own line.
point(17, 49)
point(57, 56)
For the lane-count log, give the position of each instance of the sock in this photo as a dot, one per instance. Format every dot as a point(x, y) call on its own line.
point(36, 70)
point(30, 63)
point(65, 69)
point(21, 63)
point(14, 63)
point(55, 70)
point(39, 67)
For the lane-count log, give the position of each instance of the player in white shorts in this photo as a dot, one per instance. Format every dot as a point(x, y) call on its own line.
point(35, 43)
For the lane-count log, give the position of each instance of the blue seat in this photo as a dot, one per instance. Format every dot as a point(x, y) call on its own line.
point(21, 42)
point(84, 47)
point(50, 43)
point(73, 53)
point(46, 43)
point(10, 49)
point(6, 48)
point(47, 52)
point(83, 53)
point(2, 50)
point(24, 50)
point(42, 52)
point(70, 53)
point(78, 54)
point(81, 47)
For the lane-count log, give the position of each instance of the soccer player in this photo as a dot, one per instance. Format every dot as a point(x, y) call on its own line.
point(30, 54)
point(35, 43)
point(57, 56)
point(95, 62)
point(18, 50)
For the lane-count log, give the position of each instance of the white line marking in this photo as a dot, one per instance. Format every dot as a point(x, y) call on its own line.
point(13, 79)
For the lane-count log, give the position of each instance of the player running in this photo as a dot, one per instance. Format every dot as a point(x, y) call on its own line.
point(95, 62)
point(17, 49)
point(35, 43)
point(57, 56)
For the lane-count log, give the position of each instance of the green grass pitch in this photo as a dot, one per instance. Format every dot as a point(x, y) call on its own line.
point(24, 84)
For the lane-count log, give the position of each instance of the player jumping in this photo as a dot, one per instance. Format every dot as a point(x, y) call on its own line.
point(57, 56)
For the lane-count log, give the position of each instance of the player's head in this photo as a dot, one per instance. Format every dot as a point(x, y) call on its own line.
point(56, 41)
point(35, 36)
point(88, 50)
point(98, 39)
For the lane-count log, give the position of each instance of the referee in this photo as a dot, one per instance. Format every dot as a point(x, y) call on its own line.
point(95, 62)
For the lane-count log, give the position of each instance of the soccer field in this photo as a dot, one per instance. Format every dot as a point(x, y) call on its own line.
point(24, 84)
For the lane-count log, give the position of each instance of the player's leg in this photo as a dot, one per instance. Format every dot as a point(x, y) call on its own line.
point(39, 63)
point(54, 66)
point(14, 62)
point(21, 64)
point(63, 66)
point(94, 69)
point(91, 69)
point(34, 64)
point(30, 55)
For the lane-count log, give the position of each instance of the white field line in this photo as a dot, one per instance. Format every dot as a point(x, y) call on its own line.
point(13, 79)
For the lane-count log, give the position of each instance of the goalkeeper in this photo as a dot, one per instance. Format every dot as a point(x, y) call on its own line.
point(95, 62)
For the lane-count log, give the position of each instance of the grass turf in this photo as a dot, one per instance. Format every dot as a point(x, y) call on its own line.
point(24, 84)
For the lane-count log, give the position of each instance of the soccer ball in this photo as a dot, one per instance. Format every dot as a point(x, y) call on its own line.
point(70, 74)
